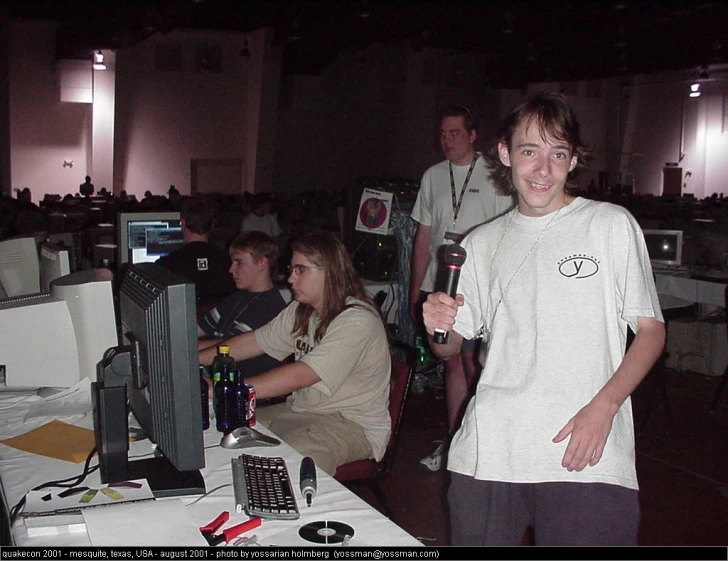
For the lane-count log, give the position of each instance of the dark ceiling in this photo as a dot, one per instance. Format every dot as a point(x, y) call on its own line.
point(523, 41)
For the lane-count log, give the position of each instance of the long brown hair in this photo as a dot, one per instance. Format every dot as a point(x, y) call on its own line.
point(340, 280)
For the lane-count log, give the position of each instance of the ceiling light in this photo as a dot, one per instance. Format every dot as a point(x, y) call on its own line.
point(695, 90)
point(364, 11)
point(99, 61)
point(508, 23)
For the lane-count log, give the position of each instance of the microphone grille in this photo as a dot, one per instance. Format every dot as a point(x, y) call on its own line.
point(454, 254)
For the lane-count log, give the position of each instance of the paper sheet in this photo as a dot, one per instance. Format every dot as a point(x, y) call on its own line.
point(57, 440)
point(57, 501)
point(74, 400)
point(138, 525)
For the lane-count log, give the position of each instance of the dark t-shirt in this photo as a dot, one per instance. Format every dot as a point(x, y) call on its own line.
point(242, 312)
point(205, 265)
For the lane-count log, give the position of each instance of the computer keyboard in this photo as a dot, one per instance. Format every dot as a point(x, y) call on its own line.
point(263, 488)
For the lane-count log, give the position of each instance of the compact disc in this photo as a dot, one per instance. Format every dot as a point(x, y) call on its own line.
point(325, 531)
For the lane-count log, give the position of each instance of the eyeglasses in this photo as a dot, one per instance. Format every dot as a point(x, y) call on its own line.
point(300, 269)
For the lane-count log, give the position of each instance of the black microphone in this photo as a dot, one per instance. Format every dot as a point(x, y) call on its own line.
point(308, 479)
point(453, 257)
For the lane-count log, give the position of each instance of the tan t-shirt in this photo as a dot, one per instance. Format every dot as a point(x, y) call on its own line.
point(352, 360)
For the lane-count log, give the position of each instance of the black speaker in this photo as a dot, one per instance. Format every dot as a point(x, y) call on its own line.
point(111, 430)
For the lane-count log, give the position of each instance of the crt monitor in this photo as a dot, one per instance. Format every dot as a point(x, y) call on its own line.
point(57, 338)
point(19, 267)
point(55, 262)
point(664, 247)
point(156, 373)
point(144, 237)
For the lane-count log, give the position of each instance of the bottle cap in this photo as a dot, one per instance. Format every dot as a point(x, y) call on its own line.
point(223, 349)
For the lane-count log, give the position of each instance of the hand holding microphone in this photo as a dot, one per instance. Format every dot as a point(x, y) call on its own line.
point(453, 257)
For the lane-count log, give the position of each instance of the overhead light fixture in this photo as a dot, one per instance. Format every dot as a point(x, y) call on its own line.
point(294, 34)
point(508, 27)
point(364, 11)
point(245, 52)
point(99, 61)
point(695, 90)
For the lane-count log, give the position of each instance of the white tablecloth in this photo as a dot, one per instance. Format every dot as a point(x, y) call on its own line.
point(20, 471)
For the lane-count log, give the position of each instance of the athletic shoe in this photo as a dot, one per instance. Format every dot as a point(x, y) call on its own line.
point(436, 460)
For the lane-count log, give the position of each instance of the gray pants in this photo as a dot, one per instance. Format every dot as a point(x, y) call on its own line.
point(493, 513)
point(331, 440)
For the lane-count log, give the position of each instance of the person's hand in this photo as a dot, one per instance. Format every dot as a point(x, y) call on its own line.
point(588, 431)
point(439, 311)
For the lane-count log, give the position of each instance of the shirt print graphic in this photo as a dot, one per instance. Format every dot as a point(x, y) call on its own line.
point(579, 266)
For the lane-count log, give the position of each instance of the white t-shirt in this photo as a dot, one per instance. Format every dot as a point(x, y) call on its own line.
point(266, 223)
point(352, 360)
point(557, 338)
point(481, 202)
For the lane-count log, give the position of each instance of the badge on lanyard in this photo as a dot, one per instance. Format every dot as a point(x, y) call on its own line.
point(452, 237)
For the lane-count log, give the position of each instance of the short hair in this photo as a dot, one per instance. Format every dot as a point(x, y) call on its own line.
point(340, 282)
point(199, 214)
point(555, 118)
point(258, 244)
point(470, 120)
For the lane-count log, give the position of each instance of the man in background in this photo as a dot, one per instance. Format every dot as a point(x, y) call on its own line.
point(86, 188)
point(261, 217)
point(198, 260)
point(455, 195)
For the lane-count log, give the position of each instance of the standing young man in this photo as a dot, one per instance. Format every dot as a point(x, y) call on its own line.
point(455, 195)
point(548, 440)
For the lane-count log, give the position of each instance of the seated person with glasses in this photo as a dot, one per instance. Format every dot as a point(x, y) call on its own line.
point(339, 382)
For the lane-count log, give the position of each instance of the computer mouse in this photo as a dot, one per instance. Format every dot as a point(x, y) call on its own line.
point(247, 437)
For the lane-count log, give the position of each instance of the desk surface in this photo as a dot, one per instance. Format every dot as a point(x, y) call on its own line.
point(21, 471)
point(676, 291)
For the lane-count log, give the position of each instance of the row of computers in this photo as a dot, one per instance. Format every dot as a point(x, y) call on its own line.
point(138, 344)
point(29, 263)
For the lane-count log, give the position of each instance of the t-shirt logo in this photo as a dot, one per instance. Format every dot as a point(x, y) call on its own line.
point(579, 266)
point(202, 264)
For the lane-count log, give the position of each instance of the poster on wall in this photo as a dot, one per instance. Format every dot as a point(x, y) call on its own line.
point(374, 212)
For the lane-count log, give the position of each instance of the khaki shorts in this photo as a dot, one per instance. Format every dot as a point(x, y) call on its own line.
point(330, 439)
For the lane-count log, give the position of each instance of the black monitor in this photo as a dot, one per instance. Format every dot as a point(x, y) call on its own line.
point(144, 237)
point(155, 373)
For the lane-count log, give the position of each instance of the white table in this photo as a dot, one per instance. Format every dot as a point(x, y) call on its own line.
point(699, 344)
point(20, 471)
point(676, 291)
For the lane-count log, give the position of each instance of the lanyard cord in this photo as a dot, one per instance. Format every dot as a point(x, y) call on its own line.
point(456, 203)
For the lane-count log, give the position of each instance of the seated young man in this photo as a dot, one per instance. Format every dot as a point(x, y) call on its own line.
point(256, 303)
point(339, 382)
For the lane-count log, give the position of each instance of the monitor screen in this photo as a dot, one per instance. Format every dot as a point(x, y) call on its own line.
point(19, 267)
point(55, 262)
point(144, 237)
point(664, 247)
point(156, 370)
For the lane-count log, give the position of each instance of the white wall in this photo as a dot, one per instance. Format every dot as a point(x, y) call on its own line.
point(44, 132)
